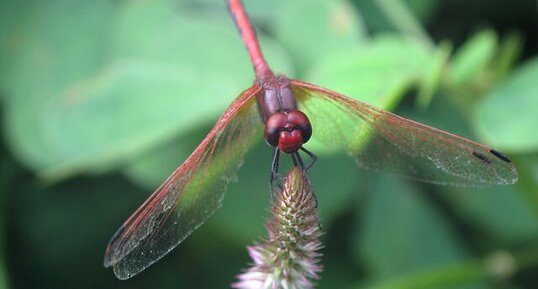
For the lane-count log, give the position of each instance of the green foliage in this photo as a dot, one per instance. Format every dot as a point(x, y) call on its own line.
point(506, 117)
point(411, 238)
point(333, 21)
point(377, 73)
point(473, 57)
point(101, 100)
point(94, 117)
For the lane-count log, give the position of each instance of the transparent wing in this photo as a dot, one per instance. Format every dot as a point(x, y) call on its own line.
point(383, 141)
point(189, 196)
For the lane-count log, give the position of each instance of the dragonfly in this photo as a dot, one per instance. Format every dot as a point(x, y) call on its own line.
point(289, 112)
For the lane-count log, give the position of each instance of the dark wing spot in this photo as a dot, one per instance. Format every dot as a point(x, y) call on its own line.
point(499, 155)
point(481, 157)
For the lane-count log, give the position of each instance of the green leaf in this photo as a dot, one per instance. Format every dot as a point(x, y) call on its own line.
point(262, 12)
point(500, 211)
point(473, 57)
point(527, 166)
point(423, 9)
point(510, 50)
point(373, 17)
point(455, 275)
point(49, 55)
point(311, 29)
point(152, 30)
point(404, 21)
point(162, 75)
point(378, 21)
point(433, 75)
point(507, 118)
point(402, 233)
point(378, 73)
point(150, 169)
point(127, 109)
point(14, 18)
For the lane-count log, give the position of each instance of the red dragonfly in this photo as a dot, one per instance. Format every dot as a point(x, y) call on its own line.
point(291, 111)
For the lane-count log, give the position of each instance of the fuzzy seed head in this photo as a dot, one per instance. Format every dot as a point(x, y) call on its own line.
point(289, 258)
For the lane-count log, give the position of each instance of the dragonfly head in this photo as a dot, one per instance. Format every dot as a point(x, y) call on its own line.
point(287, 130)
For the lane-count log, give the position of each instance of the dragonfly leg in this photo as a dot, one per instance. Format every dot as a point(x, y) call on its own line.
point(308, 167)
point(274, 170)
point(298, 161)
point(312, 156)
point(294, 158)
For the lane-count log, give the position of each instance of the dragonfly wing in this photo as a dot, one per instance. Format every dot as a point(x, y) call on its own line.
point(189, 196)
point(383, 141)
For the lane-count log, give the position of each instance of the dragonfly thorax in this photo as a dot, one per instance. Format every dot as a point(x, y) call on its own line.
point(287, 130)
point(286, 127)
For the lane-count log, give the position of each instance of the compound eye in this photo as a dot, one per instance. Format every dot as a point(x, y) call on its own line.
point(290, 141)
point(299, 120)
point(274, 124)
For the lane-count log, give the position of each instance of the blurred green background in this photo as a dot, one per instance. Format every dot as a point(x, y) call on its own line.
point(101, 100)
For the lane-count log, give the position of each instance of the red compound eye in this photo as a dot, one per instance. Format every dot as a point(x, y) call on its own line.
point(273, 126)
point(290, 141)
point(300, 120)
point(287, 130)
